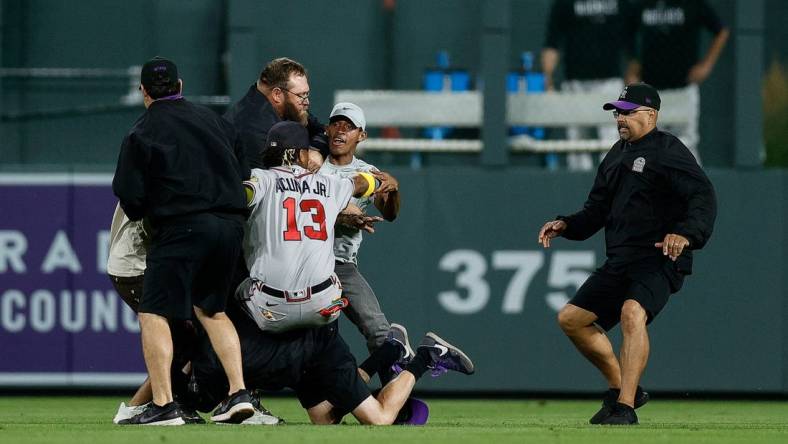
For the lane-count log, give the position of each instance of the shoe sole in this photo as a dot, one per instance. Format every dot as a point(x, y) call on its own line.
point(262, 419)
point(463, 357)
point(168, 422)
point(409, 354)
point(236, 415)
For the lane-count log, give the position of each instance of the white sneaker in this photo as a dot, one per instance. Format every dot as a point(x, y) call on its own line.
point(263, 418)
point(127, 412)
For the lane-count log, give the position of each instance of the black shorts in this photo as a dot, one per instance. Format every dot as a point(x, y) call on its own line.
point(129, 289)
point(183, 332)
point(332, 376)
point(315, 362)
point(191, 263)
point(606, 290)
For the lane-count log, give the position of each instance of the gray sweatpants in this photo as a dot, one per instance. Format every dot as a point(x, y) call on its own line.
point(364, 309)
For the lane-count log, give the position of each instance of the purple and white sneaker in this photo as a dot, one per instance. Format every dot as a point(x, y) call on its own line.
point(445, 356)
point(399, 335)
point(414, 412)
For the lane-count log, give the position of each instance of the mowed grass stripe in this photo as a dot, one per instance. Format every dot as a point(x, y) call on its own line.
point(79, 420)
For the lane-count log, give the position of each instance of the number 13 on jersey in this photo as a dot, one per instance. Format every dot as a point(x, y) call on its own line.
point(316, 230)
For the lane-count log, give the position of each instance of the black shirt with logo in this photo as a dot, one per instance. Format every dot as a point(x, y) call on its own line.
point(669, 32)
point(180, 159)
point(643, 191)
point(593, 35)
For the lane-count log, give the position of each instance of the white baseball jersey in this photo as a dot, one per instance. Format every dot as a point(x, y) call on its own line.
point(288, 243)
point(126, 248)
point(348, 240)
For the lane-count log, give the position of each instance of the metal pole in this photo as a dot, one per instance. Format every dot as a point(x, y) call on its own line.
point(494, 61)
point(748, 103)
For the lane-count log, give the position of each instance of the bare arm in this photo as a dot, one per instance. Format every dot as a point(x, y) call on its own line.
point(387, 202)
point(702, 69)
point(353, 217)
point(633, 72)
point(550, 58)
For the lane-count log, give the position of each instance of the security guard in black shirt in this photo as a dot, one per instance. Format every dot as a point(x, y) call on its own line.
point(178, 169)
point(280, 93)
point(656, 205)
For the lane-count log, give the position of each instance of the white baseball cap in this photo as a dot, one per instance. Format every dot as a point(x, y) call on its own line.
point(351, 111)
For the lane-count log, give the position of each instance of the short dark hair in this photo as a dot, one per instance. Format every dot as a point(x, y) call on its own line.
point(278, 71)
point(159, 91)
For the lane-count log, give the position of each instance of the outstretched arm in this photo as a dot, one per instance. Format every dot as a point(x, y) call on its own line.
point(367, 184)
point(387, 202)
point(550, 230)
point(353, 217)
point(701, 70)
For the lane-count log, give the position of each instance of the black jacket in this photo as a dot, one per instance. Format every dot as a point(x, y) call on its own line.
point(179, 159)
point(252, 117)
point(643, 191)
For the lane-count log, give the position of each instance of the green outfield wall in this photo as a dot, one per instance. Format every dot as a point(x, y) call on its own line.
point(462, 260)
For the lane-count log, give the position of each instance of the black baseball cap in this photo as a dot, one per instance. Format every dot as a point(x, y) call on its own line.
point(287, 135)
point(635, 95)
point(158, 71)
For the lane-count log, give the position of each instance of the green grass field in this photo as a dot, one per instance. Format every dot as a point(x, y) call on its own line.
point(88, 419)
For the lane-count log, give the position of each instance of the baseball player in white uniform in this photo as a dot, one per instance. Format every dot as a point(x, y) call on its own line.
point(288, 331)
point(291, 280)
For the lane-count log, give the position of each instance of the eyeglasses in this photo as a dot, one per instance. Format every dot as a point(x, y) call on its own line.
point(304, 97)
point(343, 125)
point(627, 112)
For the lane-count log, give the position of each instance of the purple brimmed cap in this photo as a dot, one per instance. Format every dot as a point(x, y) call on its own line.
point(635, 95)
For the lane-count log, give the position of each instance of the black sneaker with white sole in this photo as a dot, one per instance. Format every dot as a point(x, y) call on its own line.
point(610, 400)
point(235, 409)
point(168, 414)
point(399, 335)
point(445, 356)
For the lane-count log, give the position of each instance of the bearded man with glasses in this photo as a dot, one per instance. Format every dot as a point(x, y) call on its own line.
point(656, 206)
point(281, 93)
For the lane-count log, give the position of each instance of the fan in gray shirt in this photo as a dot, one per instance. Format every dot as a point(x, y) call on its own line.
point(345, 130)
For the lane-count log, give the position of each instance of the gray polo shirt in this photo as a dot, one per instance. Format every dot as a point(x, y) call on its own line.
point(347, 240)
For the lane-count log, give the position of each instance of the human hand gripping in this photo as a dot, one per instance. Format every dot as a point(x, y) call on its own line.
point(353, 217)
point(673, 245)
point(551, 229)
point(388, 183)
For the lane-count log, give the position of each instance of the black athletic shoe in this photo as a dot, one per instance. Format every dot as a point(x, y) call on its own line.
point(235, 409)
point(191, 416)
point(611, 398)
point(168, 414)
point(445, 356)
point(621, 414)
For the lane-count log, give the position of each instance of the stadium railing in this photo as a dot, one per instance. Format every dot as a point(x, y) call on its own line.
point(385, 108)
point(132, 98)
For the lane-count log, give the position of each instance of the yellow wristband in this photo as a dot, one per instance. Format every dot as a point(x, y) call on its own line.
point(371, 181)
